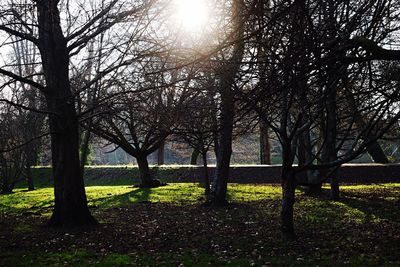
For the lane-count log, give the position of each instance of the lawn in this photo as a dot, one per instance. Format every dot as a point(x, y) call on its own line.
point(168, 226)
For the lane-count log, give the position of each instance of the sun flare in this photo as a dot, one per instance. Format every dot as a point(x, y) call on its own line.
point(191, 15)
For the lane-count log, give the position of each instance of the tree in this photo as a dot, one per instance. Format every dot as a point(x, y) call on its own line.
point(11, 159)
point(303, 96)
point(226, 75)
point(140, 121)
point(199, 125)
point(31, 123)
point(40, 24)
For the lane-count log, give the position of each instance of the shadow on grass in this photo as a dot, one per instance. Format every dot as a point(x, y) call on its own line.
point(137, 195)
point(373, 207)
point(352, 206)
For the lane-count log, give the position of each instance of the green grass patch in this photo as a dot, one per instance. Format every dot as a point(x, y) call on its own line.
point(358, 230)
point(41, 200)
point(354, 206)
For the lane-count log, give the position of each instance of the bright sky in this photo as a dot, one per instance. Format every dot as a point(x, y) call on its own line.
point(192, 16)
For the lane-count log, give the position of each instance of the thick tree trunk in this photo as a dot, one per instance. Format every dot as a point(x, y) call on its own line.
point(288, 200)
point(194, 156)
point(265, 145)
point(70, 198)
point(146, 178)
point(70, 207)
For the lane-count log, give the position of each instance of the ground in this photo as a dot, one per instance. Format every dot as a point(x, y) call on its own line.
point(168, 226)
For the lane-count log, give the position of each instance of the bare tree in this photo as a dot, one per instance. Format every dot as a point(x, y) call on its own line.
point(308, 80)
point(39, 22)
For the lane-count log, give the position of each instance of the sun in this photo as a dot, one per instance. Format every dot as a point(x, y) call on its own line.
point(191, 15)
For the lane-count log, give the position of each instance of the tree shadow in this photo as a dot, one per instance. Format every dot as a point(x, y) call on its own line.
point(137, 195)
point(373, 207)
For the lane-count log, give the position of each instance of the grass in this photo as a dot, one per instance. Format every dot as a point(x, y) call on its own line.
point(330, 230)
point(104, 197)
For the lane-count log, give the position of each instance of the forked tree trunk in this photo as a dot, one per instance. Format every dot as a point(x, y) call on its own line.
point(70, 206)
point(288, 200)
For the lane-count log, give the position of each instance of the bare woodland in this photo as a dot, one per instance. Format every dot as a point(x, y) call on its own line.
point(320, 76)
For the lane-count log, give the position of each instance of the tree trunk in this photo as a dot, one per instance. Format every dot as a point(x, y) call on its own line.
point(70, 208)
point(70, 198)
point(146, 178)
point(376, 153)
point(335, 190)
point(265, 145)
point(160, 154)
point(330, 143)
point(84, 149)
point(310, 178)
point(29, 177)
point(224, 149)
point(288, 200)
point(206, 176)
point(374, 149)
point(194, 156)
point(6, 189)
point(227, 108)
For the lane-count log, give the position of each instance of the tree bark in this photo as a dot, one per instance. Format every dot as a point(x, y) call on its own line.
point(29, 177)
point(265, 145)
point(335, 191)
point(310, 178)
point(376, 153)
point(160, 154)
point(227, 108)
point(70, 207)
point(194, 156)
point(206, 175)
point(84, 149)
point(224, 149)
point(146, 178)
point(330, 153)
point(288, 200)
point(374, 149)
